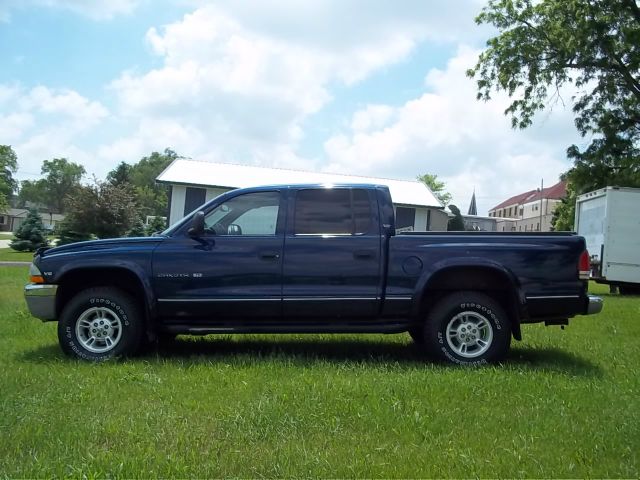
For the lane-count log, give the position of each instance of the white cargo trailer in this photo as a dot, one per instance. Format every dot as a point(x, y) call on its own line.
point(609, 220)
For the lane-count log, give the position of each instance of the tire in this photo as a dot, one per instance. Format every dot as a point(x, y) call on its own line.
point(629, 289)
point(417, 335)
point(99, 324)
point(467, 328)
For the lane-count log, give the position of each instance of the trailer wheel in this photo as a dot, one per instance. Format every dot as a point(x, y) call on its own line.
point(467, 328)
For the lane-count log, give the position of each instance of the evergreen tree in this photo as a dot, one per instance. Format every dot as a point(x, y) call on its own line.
point(157, 224)
point(67, 233)
point(31, 234)
point(137, 230)
point(456, 224)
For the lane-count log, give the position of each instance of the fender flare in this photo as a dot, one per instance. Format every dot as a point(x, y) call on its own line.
point(517, 296)
point(131, 267)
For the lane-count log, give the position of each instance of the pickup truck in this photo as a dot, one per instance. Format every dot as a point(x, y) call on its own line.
point(309, 259)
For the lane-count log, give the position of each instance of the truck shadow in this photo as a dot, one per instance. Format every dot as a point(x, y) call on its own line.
point(309, 351)
point(305, 352)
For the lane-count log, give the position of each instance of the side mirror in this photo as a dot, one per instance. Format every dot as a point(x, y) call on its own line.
point(234, 229)
point(197, 225)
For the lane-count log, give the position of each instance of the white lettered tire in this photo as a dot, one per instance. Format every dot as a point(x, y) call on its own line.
point(467, 328)
point(99, 324)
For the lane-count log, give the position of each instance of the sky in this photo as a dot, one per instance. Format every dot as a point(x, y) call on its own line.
point(363, 87)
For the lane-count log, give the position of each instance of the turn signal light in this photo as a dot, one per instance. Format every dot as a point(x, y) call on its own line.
point(36, 279)
point(584, 266)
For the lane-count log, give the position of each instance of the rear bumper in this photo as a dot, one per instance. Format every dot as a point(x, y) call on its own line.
point(594, 305)
point(41, 300)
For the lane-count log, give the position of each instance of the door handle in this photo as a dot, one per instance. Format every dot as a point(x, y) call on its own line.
point(363, 254)
point(269, 255)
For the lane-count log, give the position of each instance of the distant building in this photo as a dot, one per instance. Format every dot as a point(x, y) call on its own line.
point(473, 209)
point(530, 211)
point(192, 183)
point(11, 221)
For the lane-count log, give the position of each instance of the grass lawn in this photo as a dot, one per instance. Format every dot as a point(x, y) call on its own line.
point(10, 255)
point(564, 404)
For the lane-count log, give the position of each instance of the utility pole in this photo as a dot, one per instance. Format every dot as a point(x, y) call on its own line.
point(541, 195)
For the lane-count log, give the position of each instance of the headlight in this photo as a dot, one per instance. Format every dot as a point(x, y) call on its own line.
point(35, 275)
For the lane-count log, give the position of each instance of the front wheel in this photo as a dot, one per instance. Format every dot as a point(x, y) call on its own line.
point(99, 324)
point(467, 328)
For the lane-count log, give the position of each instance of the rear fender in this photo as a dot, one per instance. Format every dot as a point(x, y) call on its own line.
point(429, 279)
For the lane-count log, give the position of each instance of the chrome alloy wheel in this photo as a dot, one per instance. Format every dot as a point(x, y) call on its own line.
point(469, 334)
point(99, 329)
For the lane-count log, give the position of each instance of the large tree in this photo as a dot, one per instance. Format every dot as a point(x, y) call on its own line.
point(61, 179)
point(8, 166)
point(150, 197)
point(436, 186)
point(101, 209)
point(593, 45)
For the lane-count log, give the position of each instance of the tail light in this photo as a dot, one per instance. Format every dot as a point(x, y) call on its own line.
point(584, 266)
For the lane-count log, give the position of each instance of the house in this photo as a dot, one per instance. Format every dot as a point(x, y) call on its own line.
point(530, 211)
point(11, 221)
point(192, 183)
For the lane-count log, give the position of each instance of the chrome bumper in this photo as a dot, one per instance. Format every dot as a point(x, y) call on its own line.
point(595, 305)
point(41, 300)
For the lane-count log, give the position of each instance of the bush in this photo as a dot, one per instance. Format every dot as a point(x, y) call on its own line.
point(31, 235)
point(68, 234)
point(137, 230)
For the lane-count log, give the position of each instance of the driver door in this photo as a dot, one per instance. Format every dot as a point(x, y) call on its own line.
point(233, 271)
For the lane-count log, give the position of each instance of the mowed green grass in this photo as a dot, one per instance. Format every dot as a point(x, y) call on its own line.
point(10, 255)
point(564, 404)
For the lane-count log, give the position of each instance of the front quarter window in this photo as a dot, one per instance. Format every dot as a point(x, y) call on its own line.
point(248, 214)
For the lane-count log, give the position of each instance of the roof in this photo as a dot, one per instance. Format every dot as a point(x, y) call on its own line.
point(555, 192)
point(23, 212)
point(227, 175)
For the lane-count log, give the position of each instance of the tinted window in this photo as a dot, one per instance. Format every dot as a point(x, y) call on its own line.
point(249, 214)
point(361, 210)
point(194, 197)
point(405, 217)
point(332, 211)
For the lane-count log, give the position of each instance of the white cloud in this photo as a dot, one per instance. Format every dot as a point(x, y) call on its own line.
point(467, 143)
point(94, 9)
point(41, 123)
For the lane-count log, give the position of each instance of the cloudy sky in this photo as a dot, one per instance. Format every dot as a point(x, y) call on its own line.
point(367, 87)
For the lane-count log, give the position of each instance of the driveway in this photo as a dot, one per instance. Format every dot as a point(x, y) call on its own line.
point(4, 243)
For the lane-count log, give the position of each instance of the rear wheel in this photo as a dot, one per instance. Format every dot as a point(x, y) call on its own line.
point(467, 328)
point(99, 324)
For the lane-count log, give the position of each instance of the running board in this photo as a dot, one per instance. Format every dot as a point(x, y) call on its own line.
point(228, 328)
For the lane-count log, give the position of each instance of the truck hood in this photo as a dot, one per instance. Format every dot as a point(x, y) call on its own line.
point(107, 244)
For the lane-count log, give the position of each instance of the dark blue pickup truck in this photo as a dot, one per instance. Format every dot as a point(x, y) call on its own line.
point(309, 258)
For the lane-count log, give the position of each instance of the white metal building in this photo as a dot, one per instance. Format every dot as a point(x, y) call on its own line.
point(194, 182)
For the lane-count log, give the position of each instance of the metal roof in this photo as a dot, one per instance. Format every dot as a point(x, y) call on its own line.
point(227, 175)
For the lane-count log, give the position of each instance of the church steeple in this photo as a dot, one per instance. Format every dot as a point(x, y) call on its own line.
point(473, 210)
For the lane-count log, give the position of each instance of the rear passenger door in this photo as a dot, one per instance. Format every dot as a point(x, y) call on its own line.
point(332, 259)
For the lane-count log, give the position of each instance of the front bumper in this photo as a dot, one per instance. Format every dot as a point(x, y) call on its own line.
point(41, 300)
point(594, 305)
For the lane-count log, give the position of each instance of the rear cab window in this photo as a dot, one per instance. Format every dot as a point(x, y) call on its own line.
point(332, 211)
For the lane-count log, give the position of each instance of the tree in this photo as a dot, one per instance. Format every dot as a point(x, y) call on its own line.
point(137, 230)
point(120, 175)
point(62, 178)
point(102, 209)
point(31, 234)
point(437, 187)
point(456, 224)
point(157, 224)
point(594, 46)
point(8, 166)
point(151, 198)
